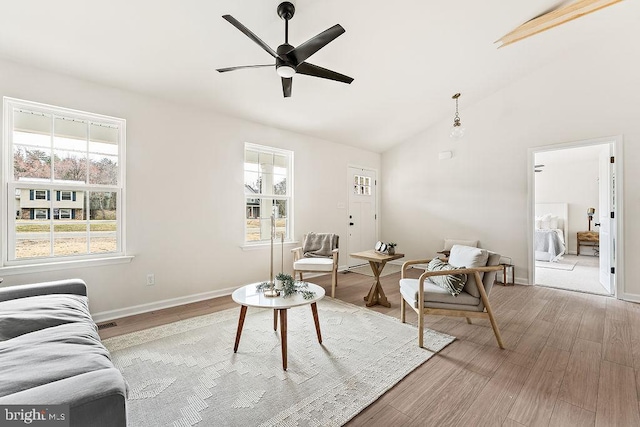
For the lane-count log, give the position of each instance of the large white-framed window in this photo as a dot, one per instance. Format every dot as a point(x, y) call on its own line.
point(63, 171)
point(268, 191)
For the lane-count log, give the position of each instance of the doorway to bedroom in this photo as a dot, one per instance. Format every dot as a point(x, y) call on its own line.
point(574, 221)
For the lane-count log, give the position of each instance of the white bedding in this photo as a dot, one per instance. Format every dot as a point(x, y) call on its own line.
point(549, 244)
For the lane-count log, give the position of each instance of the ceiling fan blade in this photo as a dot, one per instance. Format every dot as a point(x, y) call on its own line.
point(224, 70)
point(247, 32)
point(314, 44)
point(323, 73)
point(286, 86)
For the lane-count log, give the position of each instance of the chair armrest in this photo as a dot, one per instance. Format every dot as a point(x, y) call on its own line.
point(297, 253)
point(334, 253)
point(413, 262)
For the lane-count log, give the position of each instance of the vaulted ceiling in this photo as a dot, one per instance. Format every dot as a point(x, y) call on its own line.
point(407, 57)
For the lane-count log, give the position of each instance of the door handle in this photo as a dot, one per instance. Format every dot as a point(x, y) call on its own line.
point(350, 223)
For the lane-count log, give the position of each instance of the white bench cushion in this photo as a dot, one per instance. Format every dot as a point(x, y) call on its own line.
point(314, 264)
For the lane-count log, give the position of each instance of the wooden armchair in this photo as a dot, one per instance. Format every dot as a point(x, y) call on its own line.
point(473, 300)
point(317, 264)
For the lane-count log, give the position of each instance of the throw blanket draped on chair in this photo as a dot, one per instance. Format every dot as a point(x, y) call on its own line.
point(319, 245)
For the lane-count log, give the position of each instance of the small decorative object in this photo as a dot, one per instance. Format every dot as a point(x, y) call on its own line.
point(280, 279)
point(381, 247)
point(457, 130)
point(289, 287)
point(391, 248)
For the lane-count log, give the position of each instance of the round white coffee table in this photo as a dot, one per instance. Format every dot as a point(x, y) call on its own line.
point(248, 296)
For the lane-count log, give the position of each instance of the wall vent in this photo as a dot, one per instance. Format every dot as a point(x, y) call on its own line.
point(107, 325)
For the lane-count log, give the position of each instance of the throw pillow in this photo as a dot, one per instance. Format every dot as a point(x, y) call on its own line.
point(453, 283)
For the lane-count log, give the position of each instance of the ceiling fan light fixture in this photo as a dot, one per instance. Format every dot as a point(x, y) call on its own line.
point(457, 130)
point(286, 71)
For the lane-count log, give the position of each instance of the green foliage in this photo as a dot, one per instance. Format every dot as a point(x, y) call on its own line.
point(289, 287)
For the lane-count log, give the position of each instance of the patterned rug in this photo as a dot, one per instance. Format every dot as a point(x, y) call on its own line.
point(186, 373)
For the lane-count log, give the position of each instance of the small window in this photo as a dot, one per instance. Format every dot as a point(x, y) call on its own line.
point(65, 195)
point(65, 213)
point(268, 191)
point(41, 194)
point(41, 213)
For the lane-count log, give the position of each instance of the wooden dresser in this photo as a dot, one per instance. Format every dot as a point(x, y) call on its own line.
point(588, 238)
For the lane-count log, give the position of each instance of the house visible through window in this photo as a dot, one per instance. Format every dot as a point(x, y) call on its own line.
point(268, 189)
point(65, 183)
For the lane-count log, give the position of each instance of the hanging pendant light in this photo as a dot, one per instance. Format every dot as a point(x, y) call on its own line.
point(457, 130)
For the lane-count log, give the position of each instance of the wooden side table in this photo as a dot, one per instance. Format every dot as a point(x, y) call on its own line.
point(588, 238)
point(377, 261)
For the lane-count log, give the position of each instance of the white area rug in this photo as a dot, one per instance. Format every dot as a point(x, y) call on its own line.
point(366, 270)
point(584, 277)
point(186, 373)
point(563, 264)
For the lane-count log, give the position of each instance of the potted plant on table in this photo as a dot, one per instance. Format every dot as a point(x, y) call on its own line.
point(391, 248)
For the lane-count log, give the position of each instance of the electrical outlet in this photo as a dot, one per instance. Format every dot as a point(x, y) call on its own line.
point(151, 279)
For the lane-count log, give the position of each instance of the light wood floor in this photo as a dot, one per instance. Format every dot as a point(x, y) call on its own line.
point(571, 359)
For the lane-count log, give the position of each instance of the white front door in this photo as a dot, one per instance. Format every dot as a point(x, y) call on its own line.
point(362, 212)
point(605, 205)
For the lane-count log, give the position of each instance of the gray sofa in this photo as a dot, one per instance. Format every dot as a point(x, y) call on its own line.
point(51, 354)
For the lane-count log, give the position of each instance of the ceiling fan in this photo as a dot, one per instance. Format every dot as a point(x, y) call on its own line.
point(291, 60)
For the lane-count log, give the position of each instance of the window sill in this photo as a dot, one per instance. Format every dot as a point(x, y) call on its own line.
point(63, 265)
point(267, 245)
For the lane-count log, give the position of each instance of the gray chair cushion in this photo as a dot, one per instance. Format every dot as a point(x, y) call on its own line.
point(466, 256)
point(434, 294)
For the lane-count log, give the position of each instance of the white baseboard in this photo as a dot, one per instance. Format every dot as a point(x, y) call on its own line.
point(158, 305)
point(629, 297)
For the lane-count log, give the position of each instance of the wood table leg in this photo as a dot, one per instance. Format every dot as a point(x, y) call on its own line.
point(283, 336)
point(314, 310)
point(376, 293)
point(243, 313)
point(275, 320)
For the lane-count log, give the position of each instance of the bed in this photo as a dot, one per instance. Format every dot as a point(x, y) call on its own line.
point(551, 228)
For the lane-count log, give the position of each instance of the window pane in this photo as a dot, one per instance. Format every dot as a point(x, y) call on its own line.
point(103, 223)
point(33, 229)
point(103, 139)
point(280, 184)
point(69, 237)
point(258, 227)
point(70, 166)
point(70, 135)
point(31, 162)
point(103, 169)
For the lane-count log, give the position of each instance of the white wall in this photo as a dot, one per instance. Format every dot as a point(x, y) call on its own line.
point(176, 155)
point(574, 183)
point(481, 193)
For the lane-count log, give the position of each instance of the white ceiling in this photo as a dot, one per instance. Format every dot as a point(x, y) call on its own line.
point(407, 57)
